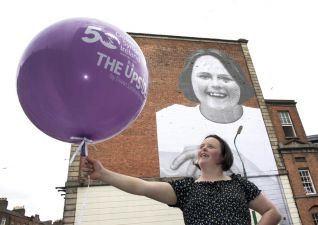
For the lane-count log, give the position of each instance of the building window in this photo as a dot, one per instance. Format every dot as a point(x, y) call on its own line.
point(287, 124)
point(307, 181)
point(315, 217)
point(300, 159)
point(3, 221)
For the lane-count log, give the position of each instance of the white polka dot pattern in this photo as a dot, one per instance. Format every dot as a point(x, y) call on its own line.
point(215, 203)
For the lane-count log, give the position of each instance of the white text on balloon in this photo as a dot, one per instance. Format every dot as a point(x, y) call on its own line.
point(116, 66)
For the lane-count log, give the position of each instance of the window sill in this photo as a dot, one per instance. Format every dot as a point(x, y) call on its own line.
point(292, 138)
point(307, 196)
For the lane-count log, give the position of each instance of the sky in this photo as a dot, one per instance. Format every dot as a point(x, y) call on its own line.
point(282, 42)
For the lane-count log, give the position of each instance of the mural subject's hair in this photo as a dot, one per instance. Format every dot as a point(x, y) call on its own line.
point(185, 83)
point(225, 151)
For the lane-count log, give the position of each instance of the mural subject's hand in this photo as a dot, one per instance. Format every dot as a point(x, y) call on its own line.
point(187, 156)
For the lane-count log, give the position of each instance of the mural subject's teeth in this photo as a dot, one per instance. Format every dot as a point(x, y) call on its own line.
point(216, 94)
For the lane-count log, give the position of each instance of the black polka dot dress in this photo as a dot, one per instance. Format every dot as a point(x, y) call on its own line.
point(222, 202)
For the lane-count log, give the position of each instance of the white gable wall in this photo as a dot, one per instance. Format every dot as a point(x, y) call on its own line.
point(106, 205)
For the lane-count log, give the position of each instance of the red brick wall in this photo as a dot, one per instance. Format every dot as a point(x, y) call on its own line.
point(293, 166)
point(16, 219)
point(304, 202)
point(299, 129)
point(134, 151)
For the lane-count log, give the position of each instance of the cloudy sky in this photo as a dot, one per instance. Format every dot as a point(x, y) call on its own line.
point(282, 42)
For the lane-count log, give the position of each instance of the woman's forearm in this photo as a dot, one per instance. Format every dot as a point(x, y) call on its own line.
point(160, 191)
point(126, 183)
point(270, 217)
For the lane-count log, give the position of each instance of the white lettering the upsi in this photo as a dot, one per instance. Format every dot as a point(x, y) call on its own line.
point(109, 63)
point(115, 66)
point(139, 81)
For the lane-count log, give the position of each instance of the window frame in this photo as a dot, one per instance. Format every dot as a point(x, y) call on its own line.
point(306, 179)
point(315, 217)
point(287, 123)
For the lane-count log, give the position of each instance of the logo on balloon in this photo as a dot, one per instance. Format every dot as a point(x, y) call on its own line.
point(95, 36)
point(113, 65)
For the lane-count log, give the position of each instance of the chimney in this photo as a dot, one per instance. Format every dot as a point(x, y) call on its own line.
point(35, 218)
point(19, 209)
point(3, 203)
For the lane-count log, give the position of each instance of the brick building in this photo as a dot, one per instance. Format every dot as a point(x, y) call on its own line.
point(17, 216)
point(300, 156)
point(136, 150)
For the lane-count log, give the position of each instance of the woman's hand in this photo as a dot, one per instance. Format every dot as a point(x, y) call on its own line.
point(93, 168)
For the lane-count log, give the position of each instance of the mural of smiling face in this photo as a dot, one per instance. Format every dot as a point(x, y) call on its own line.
point(213, 85)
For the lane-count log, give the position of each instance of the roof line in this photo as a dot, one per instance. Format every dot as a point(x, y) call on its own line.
point(241, 40)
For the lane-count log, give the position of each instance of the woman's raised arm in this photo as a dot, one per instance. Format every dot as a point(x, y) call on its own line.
point(160, 191)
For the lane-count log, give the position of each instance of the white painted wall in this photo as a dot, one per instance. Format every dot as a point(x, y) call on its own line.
point(106, 205)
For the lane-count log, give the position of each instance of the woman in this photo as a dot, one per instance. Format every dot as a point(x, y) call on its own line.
point(213, 199)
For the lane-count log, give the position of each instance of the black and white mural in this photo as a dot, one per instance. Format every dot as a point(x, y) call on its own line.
point(216, 83)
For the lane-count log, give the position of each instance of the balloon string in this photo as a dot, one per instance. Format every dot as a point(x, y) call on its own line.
point(84, 204)
point(81, 148)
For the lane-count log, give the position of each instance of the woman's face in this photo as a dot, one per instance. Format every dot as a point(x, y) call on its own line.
point(213, 85)
point(210, 152)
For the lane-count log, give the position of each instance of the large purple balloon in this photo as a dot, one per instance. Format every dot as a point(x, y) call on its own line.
point(82, 78)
